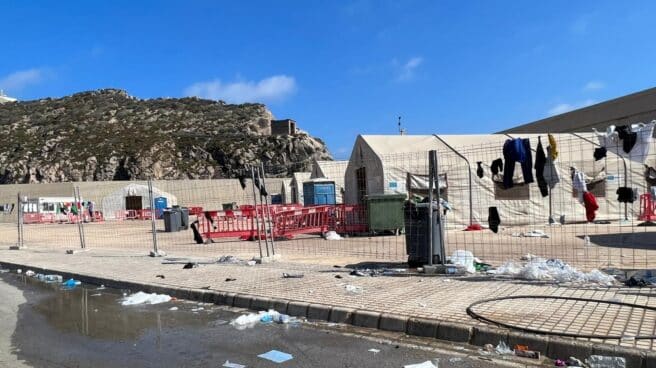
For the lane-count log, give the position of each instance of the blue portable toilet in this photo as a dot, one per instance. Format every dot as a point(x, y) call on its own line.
point(161, 204)
point(319, 192)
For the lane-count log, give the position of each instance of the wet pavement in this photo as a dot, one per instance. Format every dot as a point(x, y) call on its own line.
point(87, 327)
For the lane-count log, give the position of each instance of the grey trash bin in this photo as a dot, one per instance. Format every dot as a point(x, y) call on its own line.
point(172, 220)
point(417, 228)
point(184, 218)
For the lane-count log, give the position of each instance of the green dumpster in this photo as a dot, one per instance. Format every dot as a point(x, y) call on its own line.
point(385, 212)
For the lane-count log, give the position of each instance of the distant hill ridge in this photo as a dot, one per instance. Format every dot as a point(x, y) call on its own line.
point(109, 135)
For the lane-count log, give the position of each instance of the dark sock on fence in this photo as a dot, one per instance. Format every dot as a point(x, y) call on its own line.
point(479, 171)
point(493, 219)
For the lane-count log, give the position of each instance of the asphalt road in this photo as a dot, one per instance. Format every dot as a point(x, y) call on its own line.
point(42, 325)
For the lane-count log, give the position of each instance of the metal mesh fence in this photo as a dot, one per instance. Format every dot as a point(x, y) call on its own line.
point(381, 195)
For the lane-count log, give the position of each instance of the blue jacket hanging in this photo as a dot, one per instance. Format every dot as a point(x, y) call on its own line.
point(517, 150)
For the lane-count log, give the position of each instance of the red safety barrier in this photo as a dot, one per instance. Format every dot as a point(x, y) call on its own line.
point(647, 208)
point(314, 220)
point(227, 224)
point(350, 219)
point(195, 211)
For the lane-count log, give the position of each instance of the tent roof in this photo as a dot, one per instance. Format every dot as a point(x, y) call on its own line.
point(301, 176)
point(385, 144)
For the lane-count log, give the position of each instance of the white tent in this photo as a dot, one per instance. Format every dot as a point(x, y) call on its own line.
point(333, 171)
point(381, 164)
point(116, 201)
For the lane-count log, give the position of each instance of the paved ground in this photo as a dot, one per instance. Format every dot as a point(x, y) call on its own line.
point(86, 327)
point(440, 298)
point(619, 245)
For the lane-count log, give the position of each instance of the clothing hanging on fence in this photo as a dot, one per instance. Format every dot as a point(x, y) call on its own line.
point(242, 181)
point(591, 206)
point(540, 163)
point(550, 173)
point(636, 140)
point(493, 219)
point(599, 153)
point(578, 182)
point(653, 194)
point(625, 195)
point(479, 170)
point(260, 186)
point(497, 166)
point(517, 150)
point(650, 175)
point(553, 155)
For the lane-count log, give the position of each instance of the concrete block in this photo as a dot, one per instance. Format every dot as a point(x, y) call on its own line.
point(342, 315)
point(229, 299)
point(319, 312)
point(208, 296)
point(456, 332)
point(366, 319)
point(196, 295)
point(482, 335)
point(422, 327)
point(392, 322)
point(533, 341)
point(260, 303)
point(633, 356)
point(279, 305)
point(297, 309)
point(242, 301)
point(563, 348)
point(648, 359)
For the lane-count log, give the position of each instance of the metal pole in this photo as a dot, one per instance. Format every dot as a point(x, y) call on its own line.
point(264, 218)
point(81, 218)
point(440, 229)
point(268, 211)
point(469, 171)
point(431, 226)
point(20, 221)
point(79, 227)
point(256, 219)
point(153, 214)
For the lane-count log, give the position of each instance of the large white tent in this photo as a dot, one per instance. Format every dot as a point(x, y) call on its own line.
point(296, 186)
point(116, 201)
point(382, 164)
point(333, 171)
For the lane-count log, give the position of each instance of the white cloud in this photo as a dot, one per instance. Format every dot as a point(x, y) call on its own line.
point(594, 86)
point(565, 107)
point(269, 89)
point(17, 81)
point(407, 70)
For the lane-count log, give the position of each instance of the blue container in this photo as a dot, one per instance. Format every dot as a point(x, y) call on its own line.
point(160, 205)
point(319, 193)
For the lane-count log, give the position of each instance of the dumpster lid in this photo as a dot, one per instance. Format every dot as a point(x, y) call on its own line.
point(387, 196)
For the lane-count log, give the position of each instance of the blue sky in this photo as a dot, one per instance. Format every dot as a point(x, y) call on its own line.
point(340, 68)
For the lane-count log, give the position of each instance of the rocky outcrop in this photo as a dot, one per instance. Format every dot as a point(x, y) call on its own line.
point(109, 135)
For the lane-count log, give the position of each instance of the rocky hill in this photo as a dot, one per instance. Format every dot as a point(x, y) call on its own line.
point(109, 135)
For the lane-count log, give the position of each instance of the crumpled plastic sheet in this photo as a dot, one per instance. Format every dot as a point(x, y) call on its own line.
point(331, 235)
point(552, 270)
point(145, 298)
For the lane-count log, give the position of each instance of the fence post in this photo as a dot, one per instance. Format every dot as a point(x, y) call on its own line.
point(268, 212)
point(76, 200)
point(431, 226)
point(257, 219)
point(80, 214)
point(440, 227)
point(20, 244)
point(155, 252)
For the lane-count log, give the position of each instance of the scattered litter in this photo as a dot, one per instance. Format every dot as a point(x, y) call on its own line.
point(30, 273)
point(531, 234)
point(227, 364)
point(636, 282)
point(145, 298)
point(338, 276)
point(230, 279)
point(276, 356)
point(528, 257)
point(488, 347)
point(331, 235)
point(357, 273)
point(252, 319)
point(71, 283)
point(189, 265)
point(337, 266)
point(292, 275)
point(251, 263)
point(197, 309)
point(503, 348)
point(19, 271)
point(426, 364)
point(173, 308)
point(525, 353)
point(464, 258)
point(423, 305)
point(4, 270)
point(96, 294)
point(229, 259)
point(454, 360)
point(375, 351)
point(353, 289)
point(559, 363)
point(601, 361)
point(160, 276)
point(552, 270)
point(50, 278)
point(574, 362)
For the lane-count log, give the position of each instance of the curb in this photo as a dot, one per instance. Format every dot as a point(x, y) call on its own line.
point(478, 335)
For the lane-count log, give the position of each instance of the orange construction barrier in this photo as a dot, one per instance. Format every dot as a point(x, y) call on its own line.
point(647, 208)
